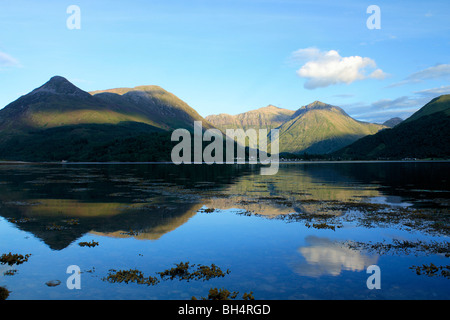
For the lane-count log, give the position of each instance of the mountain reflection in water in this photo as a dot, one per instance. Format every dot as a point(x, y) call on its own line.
point(154, 199)
point(309, 231)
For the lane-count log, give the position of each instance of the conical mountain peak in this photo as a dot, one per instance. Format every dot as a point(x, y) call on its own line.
point(60, 85)
point(318, 105)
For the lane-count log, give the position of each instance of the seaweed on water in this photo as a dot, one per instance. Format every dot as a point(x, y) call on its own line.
point(73, 222)
point(322, 225)
point(224, 294)
point(132, 275)
point(4, 293)
point(10, 272)
point(432, 270)
point(88, 244)
point(130, 233)
point(403, 246)
point(11, 259)
point(182, 272)
point(54, 227)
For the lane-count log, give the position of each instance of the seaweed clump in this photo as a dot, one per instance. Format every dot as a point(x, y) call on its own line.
point(15, 258)
point(132, 275)
point(224, 294)
point(182, 272)
point(4, 293)
point(432, 270)
point(88, 244)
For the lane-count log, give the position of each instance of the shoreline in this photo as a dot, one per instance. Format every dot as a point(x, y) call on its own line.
point(196, 163)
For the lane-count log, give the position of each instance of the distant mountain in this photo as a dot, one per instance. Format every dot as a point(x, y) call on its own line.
point(59, 121)
point(266, 117)
point(425, 134)
point(392, 122)
point(59, 103)
point(269, 117)
point(320, 128)
point(316, 128)
point(164, 109)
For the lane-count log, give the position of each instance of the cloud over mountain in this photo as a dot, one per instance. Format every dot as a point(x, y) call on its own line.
point(325, 68)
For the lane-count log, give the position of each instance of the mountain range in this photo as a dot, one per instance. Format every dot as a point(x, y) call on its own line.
point(59, 103)
point(59, 121)
point(317, 128)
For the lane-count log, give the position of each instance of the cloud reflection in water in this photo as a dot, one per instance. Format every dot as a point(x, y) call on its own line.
point(324, 257)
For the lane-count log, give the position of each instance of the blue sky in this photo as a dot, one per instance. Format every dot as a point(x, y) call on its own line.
point(232, 56)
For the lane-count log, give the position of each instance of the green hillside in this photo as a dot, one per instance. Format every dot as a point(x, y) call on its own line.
point(316, 128)
point(426, 134)
point(441, 103)
point(59, 121)
point(126, 141)
point(319, 128)
point(165, 109)
point(269, 117)
point(59, 103)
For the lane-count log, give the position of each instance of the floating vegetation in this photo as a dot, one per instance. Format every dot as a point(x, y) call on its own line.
point(206, 273)
point(247, 202)
point(4, 293)
point(53, 283)
point(322, 225)
point(371, 215)
point(246, 213)
point(403, 246)
point(359, 206)
point(21, 220)
point(130, 233)
point(91, 270)
point(73, 222)
point(224, 294)
point(434, 221)
point(132, 275)
point(54, 227)
point(15, 258)
point(88, 244)
point(208, 210)
point(10, 272)
point(300, 216)
point(278, 200)
point(182, 272)
point(248, 296)
point(432, 270)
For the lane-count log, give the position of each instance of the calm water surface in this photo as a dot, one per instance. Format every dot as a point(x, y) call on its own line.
point(308, 232)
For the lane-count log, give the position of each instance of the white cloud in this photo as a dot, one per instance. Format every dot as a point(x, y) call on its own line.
point(440, 71)
point(8, 61)
point(397, 103)
point(384, 109)
point(325, 68)
point(434, 92)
